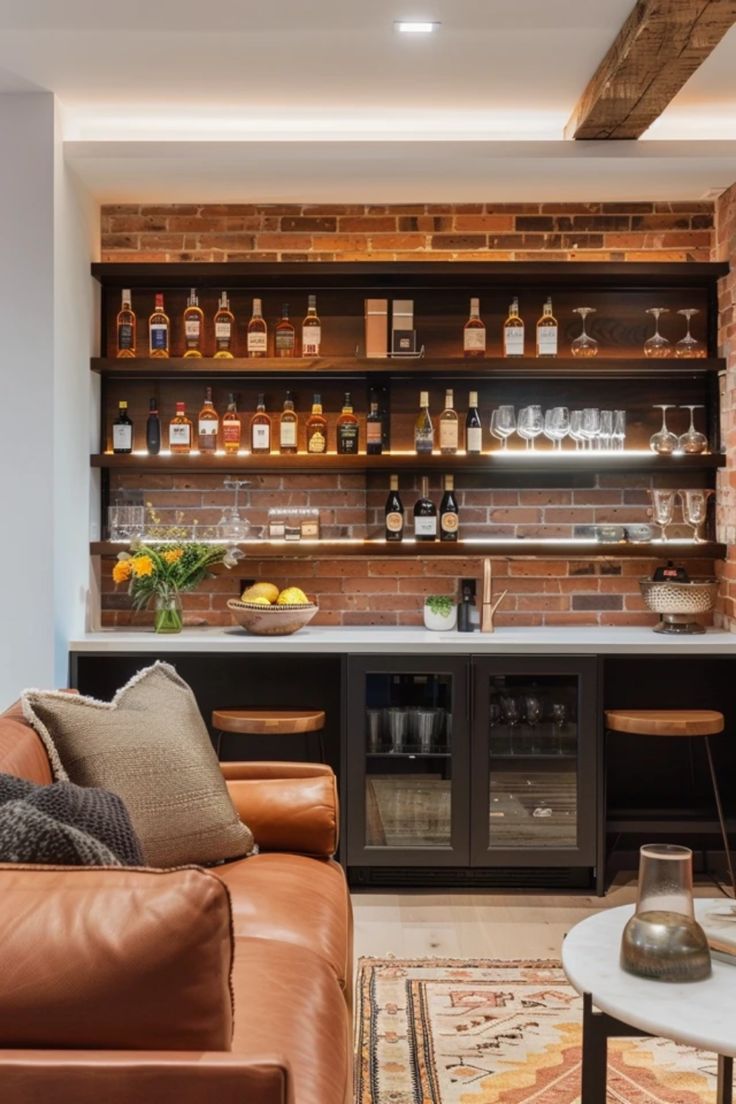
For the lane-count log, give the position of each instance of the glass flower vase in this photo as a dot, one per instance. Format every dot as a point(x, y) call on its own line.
point(168, 616)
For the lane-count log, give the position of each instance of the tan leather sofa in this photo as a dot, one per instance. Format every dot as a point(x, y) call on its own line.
point(114, 983)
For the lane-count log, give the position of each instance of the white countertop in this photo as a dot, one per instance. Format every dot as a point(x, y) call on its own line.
point(562, 640)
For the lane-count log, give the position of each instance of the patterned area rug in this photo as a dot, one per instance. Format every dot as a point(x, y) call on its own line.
point(457, 1031)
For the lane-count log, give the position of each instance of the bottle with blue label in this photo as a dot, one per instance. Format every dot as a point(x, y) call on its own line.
point(158, 330)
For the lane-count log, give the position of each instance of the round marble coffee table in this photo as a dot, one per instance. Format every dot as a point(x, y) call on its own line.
point(699, 1013)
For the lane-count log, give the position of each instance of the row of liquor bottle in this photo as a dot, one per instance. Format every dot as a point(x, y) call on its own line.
point(281, 432)
point(429, 522)
point(286, 342)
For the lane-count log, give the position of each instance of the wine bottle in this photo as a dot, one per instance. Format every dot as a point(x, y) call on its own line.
point(374, 430)
point(288, 426)
point(231, 427)
point(449, 519)
point(347, 429)
point(122, 430)
point(180, 430)
point(125, 327)
point(449, 426)
point(260, 429)
point(473, 427)
point(423, 428)
point(547, 332)
point(257, 335)
point(394, 511)
point(284, 335)
point(193, 319)
point(311, 329)
point(425, 515)
point(153, 429)
point(224, 321)
point(513, 332)
point(474, 332)
point(208, 424)
point(158, 329)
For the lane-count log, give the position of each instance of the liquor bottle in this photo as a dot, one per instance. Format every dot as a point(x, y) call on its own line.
point(284, 335)
point(288, 426)
point(208, 424)
point(193, 319)
point(231, 427)
point(122, 430)
point(260, 429)
point(474, 332)
point(394, 511)
point(311, 329)
point(513, 332)
point(374, 430)
point(547, 332)
point(257, 336)
point(224, 322)
point(347, 429)
point(425, 515)
point(317, 428)
point(180, 430)
point(449, 521)
point(449, 426)
point(125, 327)
point(473, 427)
point(423, 428)
point(153, 429)
point(158, 330)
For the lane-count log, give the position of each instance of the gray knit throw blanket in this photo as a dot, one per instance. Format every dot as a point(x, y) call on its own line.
point(64, 825)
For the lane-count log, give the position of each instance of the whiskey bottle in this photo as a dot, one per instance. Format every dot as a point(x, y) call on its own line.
point(193, 319)
point(423, 428)
point(288, 426)
point(125, 327)
point(449, 521)
point(374, 430)
point(260, 429)
point(473, 427)
point(474, 332)
point(317, 428)
point(547, 332)
point(513, 332)
point(208, 424)
point(180, 430)
point(153, 429)
point(257, 336)
point(158, 329)
point(284, 335)
point(394, 511)
point(224, 322)
point(347, 429)
point(231, 427)
point(311, 329)
point(449, 426)
point(122, 430)
point(425, 515)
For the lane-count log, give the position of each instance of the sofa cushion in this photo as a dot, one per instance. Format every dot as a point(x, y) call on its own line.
point(294, 899)
point(287, 1001)
point(151, 747)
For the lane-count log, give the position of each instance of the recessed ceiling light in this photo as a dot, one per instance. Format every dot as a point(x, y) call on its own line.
point(414, 27)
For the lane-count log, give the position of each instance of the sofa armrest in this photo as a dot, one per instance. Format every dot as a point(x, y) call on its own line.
point(287, 806)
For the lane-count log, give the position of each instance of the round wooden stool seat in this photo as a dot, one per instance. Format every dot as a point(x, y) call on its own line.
point(268, 722)
point(665, 722)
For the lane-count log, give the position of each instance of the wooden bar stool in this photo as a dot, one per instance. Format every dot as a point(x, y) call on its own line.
point(689, 723)
point(269, 722)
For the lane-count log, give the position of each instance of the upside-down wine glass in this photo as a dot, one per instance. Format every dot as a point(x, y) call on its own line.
point(657, 346)
point(663, 508)
point(690, 346)
point(584, 345)
point(693, 442)
point(503, 424)
point(663, 441)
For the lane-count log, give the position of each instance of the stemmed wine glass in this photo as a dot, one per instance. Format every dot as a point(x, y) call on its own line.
point(584, 345)
point(533, 710)
point(605, 435)
point(695, 510)
point(576, 428)
point(530, 424)
point(557, 425)
point(559, 716)
point(663, 508)
point(591, 425)
point(656, 345)
point(689, 346)
point(503, 424)
point(692, 441)
point(663, 441)
point(619, 429)
point(512, 716)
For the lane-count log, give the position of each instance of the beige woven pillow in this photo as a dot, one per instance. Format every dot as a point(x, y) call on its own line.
point(149, 745)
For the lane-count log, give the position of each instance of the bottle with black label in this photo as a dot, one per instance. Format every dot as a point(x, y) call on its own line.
point(347, 429)
point(153, 429)
point(374, 430)
point(449, 515)
point(425, 515)
point(122, 430)
point(671, 574)
point(473, 427)
point(394, 511)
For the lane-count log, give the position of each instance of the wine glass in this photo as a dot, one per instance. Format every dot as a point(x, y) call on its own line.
point(689, 346)
point(530, 424)
point(576, 428)
point(657, 346)
point(533, 710)
point(503, 424)
point(663, 508)
point(605, 434)
point(584, 345)
point(512, 717)
point(692, 441)
point(591, 425)
point(695, 510)
point(559, 717)
point(619, 429)
point(557, 425)
point(663, 441)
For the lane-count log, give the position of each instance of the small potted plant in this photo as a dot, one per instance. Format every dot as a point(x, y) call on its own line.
point(440, 612)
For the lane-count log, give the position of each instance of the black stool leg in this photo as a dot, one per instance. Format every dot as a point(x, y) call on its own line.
point(721, 818)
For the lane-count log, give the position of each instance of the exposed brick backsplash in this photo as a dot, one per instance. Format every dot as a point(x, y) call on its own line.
point(725, 250)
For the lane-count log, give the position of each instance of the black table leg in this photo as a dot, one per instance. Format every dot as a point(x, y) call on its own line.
point(724, 1091)
point(595, 1055)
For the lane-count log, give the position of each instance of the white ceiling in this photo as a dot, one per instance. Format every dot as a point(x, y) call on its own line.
point(302, 90)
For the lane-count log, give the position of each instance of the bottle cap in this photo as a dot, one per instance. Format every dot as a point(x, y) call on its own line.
point(473, 400)
point(122, 405)
point(424, 398)
point(180, 407)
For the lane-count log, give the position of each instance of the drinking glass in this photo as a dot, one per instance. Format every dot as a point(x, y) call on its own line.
point(115, 522)
point(498, 742)
point(692, 441)
point(503, 424)
point(695, 510)
point(619, 429)
point(533, 710)
point(530, 424)
point(559, 716)
point(665, 879)
point(663, 441)
point(689, 346)
point(426, 728)
point(557, 425)
point(663, 508)
point(591, 425)
point(512, 717)
point(374, 718)
point(585, 345)
point(397, 727)
point(576, 428)
point(657, 346)
point(605, 433)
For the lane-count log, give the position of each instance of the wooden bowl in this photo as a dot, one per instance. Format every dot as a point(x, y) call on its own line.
point(271, 620)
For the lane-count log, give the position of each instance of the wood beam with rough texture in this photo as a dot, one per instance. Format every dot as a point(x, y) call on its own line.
point(657, 50)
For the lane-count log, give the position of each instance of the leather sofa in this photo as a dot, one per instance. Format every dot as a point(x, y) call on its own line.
point(115, 983)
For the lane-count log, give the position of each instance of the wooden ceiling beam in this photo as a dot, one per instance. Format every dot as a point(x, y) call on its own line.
point(659, 47)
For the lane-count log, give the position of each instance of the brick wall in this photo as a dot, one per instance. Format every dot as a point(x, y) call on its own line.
point(725, 250)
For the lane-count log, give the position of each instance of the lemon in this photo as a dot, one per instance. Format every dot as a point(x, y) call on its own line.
point(292, 596)
point(259, 600)
point(261, 590)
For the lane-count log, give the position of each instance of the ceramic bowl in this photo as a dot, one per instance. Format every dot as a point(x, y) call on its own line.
point(271, 620)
